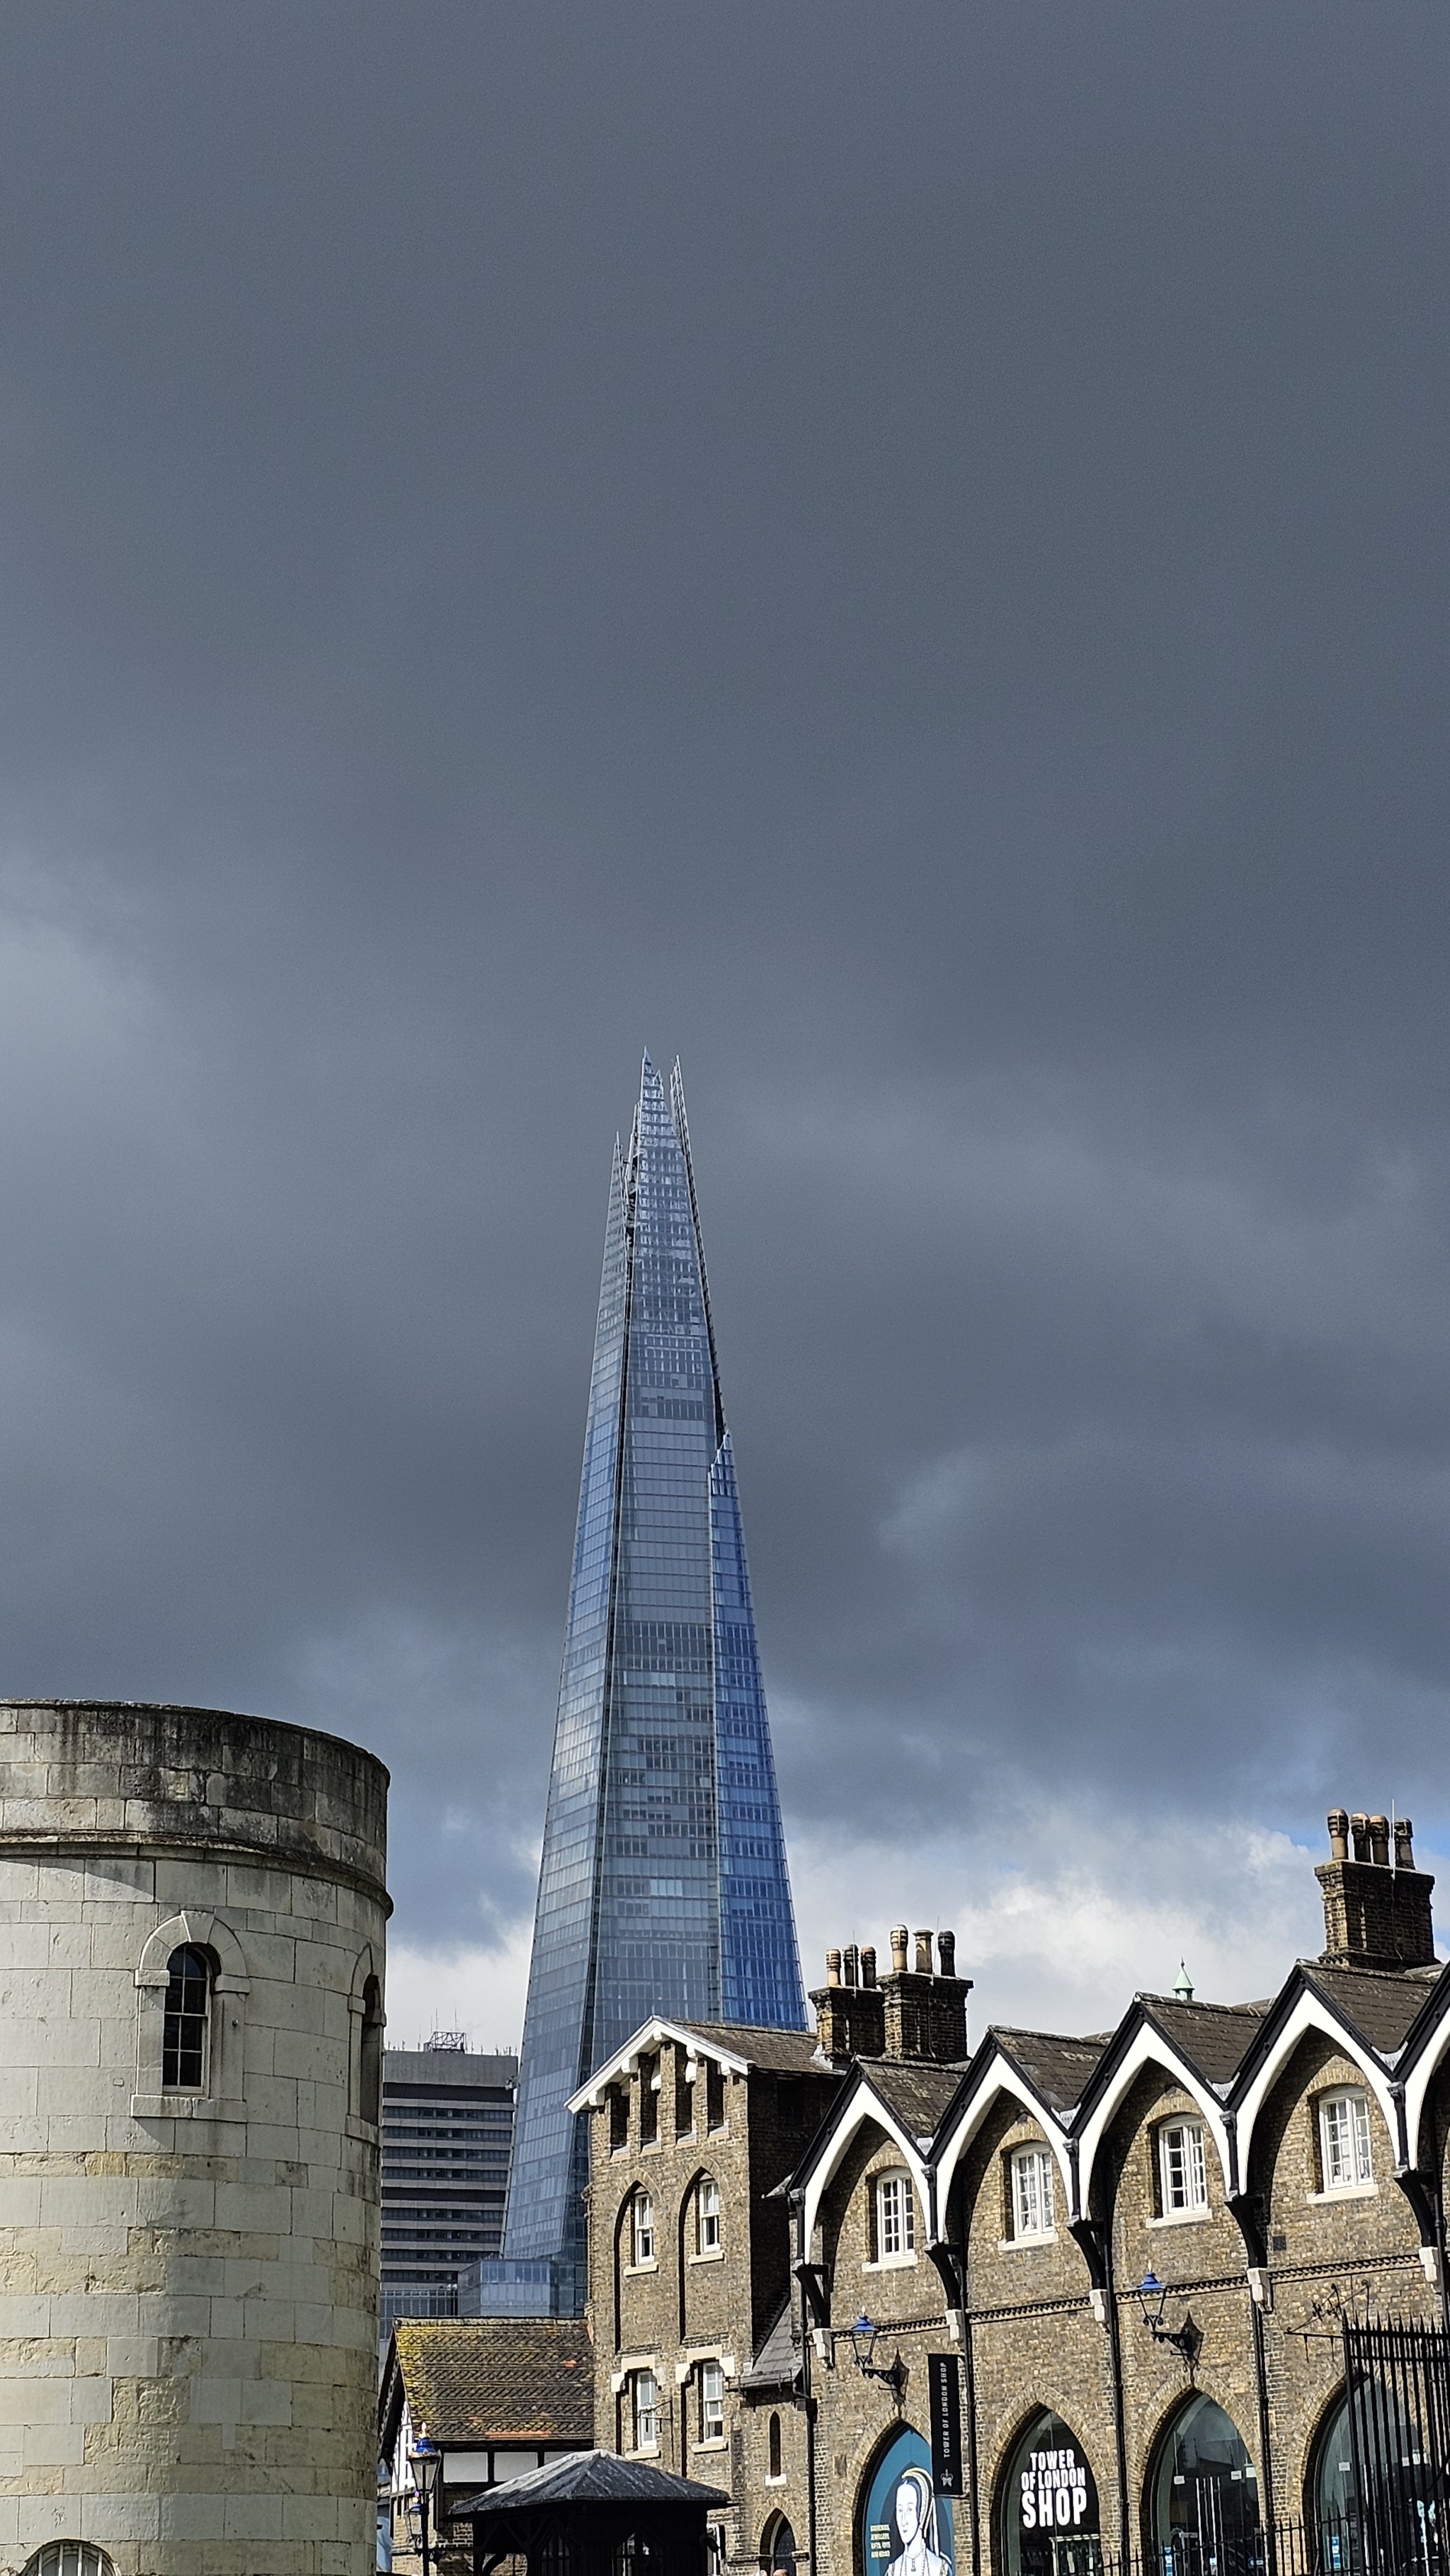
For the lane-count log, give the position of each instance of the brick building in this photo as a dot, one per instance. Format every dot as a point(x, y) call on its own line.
point(1140, 2254)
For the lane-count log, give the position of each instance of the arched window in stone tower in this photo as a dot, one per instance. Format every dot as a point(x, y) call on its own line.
point(371, 2086)
point(69, 2558)
point(186, 2032)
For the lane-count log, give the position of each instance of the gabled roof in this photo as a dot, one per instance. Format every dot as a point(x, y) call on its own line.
point(1058, 2069)
point(490, 2379)
point(736, 2046)
point(589, 2477)
point(1214, 2038)
point(914, 2093)
point(1380, 2005)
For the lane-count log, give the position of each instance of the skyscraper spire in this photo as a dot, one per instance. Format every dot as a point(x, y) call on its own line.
point(663, 1883)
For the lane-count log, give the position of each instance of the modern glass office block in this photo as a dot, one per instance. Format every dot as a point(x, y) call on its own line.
point(663, 1885)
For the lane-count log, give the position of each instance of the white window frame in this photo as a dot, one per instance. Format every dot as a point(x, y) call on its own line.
point(1034, 2194)
point(712, 2402)
point(1182, 2169)
point(642, 2233)
point(895, 2212)
point(1346, 2150)
point(644, 2412)
point(707, 2217)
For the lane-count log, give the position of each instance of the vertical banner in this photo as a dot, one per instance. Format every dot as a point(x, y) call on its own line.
point(944, 2382)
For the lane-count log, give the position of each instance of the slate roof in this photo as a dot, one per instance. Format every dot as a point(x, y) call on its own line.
point(1059, 2069)
point(1379, 2003)
point(777, 2357)
point(497, 2379)
point(918, 2094)
point(1215, 2038)
point(786, 2052)
point(586, 2477)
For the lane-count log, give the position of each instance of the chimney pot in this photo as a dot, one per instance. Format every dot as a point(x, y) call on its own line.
point(923, 1954)
point(1338, 1834)
point(1379, 1841)
point(868, 1967)
point(946, 1943)
point(851, 1964)
point(833, 1967)
point(1359, 1836)
point(1404, 1843)
point(898, 1950)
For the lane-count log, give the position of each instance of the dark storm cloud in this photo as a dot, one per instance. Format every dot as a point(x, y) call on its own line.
point(901, 553)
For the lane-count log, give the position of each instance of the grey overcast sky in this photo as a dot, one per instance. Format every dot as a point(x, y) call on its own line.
point(898, 552)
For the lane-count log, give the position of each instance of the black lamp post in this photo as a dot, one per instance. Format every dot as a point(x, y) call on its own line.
point(425, 2460)
point(1152, 2297)
point(863, 2345)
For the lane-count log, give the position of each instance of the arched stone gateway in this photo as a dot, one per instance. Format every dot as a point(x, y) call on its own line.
point(191, 1904)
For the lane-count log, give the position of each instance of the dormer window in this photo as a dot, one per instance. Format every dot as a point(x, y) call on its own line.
point(1344, 2144)
point(1182, 2169)
point(1034, 2210)
point(895, 2209)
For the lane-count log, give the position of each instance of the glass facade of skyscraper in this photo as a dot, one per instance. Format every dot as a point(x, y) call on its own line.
point(663, 1885)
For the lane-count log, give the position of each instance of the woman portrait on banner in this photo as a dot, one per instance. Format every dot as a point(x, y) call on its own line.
point(914, 2507)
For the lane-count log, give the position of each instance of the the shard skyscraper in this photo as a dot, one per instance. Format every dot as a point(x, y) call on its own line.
point(663, 1885)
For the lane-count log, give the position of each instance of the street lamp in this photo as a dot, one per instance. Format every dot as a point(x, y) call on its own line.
point(1152, 2297)
point(425, 2460)
point(863, 2345)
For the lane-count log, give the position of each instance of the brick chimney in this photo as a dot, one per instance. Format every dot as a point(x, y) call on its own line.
point(913, 2013)
point(1376, 1915)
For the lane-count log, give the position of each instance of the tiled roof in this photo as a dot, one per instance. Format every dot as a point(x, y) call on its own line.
point(778, 2356)
point(1057, 2068)
point(590, 2477)
point(498, 2379)
point(1380, 2004)
point(786, 2052)
point(1215, 2038)
point(917, 2093)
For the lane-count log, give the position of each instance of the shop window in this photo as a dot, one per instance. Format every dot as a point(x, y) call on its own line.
point(1033, 2204)
point(895, 2215)
point(649, 2102)
point(618, 2119)
point(707, 2216)
point(186, 2031)
point(773, 2449)
point(1182, 2169)
point(642, 2230)
point(1345, 2163)
point(1373, 2436)
point(899, 2518)
point(712, 2402)
point(646, 2402)
point(1047, 2511)
point(1203, 2496)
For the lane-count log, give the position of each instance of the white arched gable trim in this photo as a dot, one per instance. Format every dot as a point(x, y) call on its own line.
point(866, 2106)
point(1148, 2047)
point(1003, 2080)
point(206, 1932)
point(1419, 2081)
point(1309, 2014)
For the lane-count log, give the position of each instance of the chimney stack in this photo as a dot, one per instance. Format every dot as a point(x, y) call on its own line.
point(914, 2013)
point(1375, 1915)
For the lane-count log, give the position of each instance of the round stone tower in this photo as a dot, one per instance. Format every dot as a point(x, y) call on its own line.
point(191, 1960)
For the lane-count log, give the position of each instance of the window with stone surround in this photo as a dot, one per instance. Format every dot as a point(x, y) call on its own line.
point(69, 2558)
point(1182, 2170)
point(642, 2231)
point(774, 2451)
point(186, 2028)
point(645, 2408)
point(712, 2402)
point(191, 1989)
point(1031, 2199)
point(707, 2215)
point(893, 2205)
point(1345, 2161)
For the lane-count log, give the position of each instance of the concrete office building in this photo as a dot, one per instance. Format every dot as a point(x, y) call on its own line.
point(448, 2126)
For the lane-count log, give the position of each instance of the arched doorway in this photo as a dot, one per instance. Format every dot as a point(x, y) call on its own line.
point(1203, 2503)
point(777, 2549)
point(902, 2527)
point(1047, 2505)
point(1369, 2442)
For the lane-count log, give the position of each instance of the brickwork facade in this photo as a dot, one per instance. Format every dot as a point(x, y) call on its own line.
point(1135, 2250)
